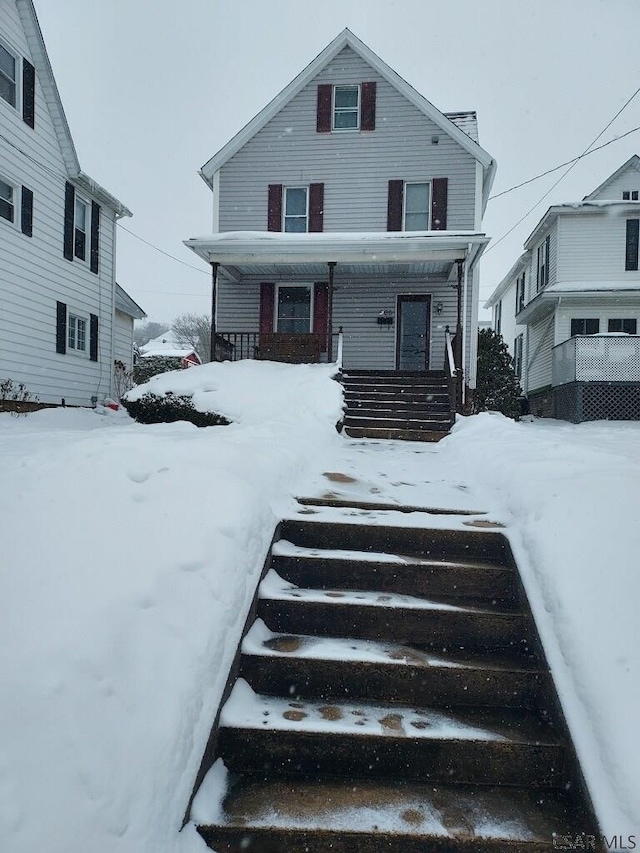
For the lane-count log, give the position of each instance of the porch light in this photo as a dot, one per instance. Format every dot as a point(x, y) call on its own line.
point(439, 308)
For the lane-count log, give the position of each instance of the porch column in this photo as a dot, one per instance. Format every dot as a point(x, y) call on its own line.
point(332, 266)
point(214, 295)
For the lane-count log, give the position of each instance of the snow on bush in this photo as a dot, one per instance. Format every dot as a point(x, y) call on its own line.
point(129, 556)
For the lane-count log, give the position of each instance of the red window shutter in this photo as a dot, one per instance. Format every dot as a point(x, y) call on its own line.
point(394, 207)
point(368, 106)
point(274, 214)
point(321, 312)
point(316, 207)
point(267, 306)
point(439, 190)
point(323, 121)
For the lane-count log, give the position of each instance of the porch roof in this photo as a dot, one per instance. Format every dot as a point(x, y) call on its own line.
point(275, 254)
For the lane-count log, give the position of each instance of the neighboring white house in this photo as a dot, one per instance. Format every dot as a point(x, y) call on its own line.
point(569, 308)
point(58, 296)
point(168, 345)
point(349, 201)
point(126, 312)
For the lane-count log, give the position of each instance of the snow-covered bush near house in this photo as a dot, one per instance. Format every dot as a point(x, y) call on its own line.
point(570, 496)
point(129, 556)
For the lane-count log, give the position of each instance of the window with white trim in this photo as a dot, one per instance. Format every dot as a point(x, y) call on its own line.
point(630, 195)
point(623, 324)
point(7, 201)
point(296, 210)
point(293, 308)
point(543, 263)
point(8, 75)
point(346, 107)
point(80, 229)
point(520, 291)
point(497, 319)
point(417, 206)
point(77, 337)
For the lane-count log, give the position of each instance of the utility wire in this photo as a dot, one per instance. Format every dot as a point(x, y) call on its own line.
point(555, 168)
point(564, 174)
point(162, 251)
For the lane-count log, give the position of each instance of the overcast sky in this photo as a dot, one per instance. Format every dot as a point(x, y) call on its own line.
point(152, 89)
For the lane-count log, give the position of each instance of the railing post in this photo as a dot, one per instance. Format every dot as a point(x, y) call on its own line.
point(332, 266)
point(340, 345)
point(214, 294)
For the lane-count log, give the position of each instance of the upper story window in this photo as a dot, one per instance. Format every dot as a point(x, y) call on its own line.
point(630, 195)
point(517, 356)
point(543, 263)
point(497, 320)
point(7, 201)
point(521, 284)
point(296, 209)
point(80, 229)
point(585, 326)
point(346, 107)
point(632, 244)
point(623, 324)
point(8, 76)
point(417, 207)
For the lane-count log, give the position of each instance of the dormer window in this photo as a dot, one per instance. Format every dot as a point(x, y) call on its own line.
point(346, 107)
point(630, 195)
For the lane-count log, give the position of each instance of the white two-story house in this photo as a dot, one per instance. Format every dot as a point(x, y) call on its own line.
point(58, 298)
point(569, 308)
point(349, 202)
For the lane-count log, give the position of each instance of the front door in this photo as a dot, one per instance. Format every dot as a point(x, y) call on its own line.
point(412, 341)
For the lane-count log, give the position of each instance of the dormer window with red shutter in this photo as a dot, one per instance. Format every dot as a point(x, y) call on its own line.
point(346, 107)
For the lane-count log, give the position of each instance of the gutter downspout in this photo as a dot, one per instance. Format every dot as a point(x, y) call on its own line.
point(114, 229)
point(464, 324)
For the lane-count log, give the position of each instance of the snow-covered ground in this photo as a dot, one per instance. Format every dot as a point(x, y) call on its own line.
point(129, 555)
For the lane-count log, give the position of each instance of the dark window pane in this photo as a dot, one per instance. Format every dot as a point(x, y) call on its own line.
point(634, 195)
point(585, 326)
point(625, 324)
point(346, 120)
point(80, 244)
point(294, 310)
point(295, 224)
point(296, 201)
point(626, 196)
point(346, 96)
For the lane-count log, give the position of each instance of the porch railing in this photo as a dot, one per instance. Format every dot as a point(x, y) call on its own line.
point(597, 358)
point(453, 370)
point(276, 346)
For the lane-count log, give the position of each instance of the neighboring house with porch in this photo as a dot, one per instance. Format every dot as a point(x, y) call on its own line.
point(58, 297)
point(569, 308)
point(349, 202)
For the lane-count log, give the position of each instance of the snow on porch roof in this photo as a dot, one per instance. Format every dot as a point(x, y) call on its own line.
point(254, 247)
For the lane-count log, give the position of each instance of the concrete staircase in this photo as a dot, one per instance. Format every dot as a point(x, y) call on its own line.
point(396, 404)
point(399, 701)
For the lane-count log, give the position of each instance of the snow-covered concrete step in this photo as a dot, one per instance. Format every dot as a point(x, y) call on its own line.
point(346, 503)
point(371, 570)
point(364, 614)
point(417, 410)
point(411, 422)
point(277, 735)
point(364, 816)
point(386, 434)
point(330, 668)
point(435, 544)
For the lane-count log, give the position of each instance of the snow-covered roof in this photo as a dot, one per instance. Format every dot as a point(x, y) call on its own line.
point(51, 94)
point(253, 247)
point(594, 287)
point(462, 129)
point(168, 352)
point(589, 206)
point(127, 305)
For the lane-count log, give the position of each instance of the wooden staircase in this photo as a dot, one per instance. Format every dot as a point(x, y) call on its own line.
point(408, 405)
point(393, 696)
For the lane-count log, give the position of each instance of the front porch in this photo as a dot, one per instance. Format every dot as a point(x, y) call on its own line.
point(394, 295)
point(597, 377)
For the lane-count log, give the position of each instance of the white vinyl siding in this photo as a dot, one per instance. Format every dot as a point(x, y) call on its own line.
point(627, 180)
point(33, 272)
point(354, 167)
point(599, 308)
point(123, 339)
point(594, 247)
point(540, 346)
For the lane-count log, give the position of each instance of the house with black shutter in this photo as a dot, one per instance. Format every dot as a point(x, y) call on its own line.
point(569, 308)
point(349, 212)
point(58, 299)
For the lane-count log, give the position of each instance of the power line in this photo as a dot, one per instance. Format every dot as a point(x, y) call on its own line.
point(162, 251)
point(555, 168)
point(564, 174)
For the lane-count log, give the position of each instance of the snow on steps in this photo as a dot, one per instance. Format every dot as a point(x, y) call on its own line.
point(401, 739)
point(396, 405)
